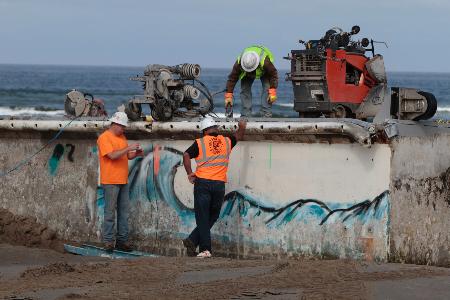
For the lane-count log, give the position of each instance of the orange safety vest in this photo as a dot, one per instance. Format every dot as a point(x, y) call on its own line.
point(213, 156)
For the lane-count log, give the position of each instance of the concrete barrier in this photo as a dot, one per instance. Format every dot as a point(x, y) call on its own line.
point(341, 189)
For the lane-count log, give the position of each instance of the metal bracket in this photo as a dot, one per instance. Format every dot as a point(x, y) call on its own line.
point(391, 130)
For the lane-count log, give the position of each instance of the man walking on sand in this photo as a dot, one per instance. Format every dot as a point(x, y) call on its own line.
point(211, 153)
point(114, 153)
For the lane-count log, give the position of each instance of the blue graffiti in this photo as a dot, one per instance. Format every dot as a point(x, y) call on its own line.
point(152, 179)
point(100, 203)
point(57, 154)
point(53, 163)
point(306, 210)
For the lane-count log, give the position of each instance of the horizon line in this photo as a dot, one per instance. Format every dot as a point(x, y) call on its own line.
point(217, 68)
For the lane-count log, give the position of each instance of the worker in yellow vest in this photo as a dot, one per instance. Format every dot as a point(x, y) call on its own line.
point(211, 153)
point(255, 62)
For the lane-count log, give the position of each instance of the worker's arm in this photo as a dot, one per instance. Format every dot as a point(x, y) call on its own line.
point(233, 78)
point(241, 130)
point(271, 73)
point(187, 163)
point(191, 152)
point(119, 153)
point(188, 167)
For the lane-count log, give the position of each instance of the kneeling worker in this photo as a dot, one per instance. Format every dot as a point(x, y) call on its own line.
point(211, 153)
point(255, 62)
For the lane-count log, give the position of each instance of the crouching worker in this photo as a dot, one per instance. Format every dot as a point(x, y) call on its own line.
point(211, 153)
point(255, 62)
point(114, 153)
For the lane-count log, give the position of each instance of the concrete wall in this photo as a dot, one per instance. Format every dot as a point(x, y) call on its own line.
point(53, 188)
point(420, 200)
point(283, 198)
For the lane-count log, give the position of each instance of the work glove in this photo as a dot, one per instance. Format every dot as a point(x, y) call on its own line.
point(272, 97)
point(228, 99)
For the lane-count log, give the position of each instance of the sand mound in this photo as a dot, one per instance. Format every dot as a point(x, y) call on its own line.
point(56, 268)
point(25, 231)
point(60, 268)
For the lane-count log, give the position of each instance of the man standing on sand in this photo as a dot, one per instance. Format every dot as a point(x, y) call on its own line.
point(211, 153)
point(114, 153)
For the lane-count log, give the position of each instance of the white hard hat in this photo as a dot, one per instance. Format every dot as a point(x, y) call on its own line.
point(206, 123)
point(249, 61)
point(119, 118)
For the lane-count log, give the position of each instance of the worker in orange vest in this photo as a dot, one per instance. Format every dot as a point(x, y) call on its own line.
point(211, 153)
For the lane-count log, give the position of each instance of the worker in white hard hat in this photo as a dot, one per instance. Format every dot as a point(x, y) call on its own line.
point(255, 62)
point(211, 153)
point(114, 153)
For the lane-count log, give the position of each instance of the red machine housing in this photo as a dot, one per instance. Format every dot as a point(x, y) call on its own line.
point(333, 77)
point(347, 77)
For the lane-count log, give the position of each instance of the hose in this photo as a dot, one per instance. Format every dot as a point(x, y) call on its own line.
point(204, 86)
point(205, 91)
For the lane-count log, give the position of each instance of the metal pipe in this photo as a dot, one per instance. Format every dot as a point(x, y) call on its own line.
point(360, 132)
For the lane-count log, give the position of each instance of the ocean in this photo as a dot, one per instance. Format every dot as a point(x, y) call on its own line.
point(41, 89)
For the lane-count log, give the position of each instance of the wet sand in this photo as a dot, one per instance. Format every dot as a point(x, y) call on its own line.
point(31, 273)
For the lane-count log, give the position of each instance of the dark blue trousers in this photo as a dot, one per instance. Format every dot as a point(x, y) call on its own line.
point(208, 199)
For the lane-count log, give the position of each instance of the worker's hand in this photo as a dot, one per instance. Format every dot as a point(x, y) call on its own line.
point(134, 147)
point(228, 99)
point(192, 178)
point(272, 97)
point(140, 152)
point(242, 123)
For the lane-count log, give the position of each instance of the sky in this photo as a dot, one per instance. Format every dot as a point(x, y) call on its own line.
point(212, 33)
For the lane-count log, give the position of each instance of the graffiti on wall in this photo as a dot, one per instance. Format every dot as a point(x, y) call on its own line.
point(304, 209)
point(56, 156)
point(53, 163)
point(152, 179)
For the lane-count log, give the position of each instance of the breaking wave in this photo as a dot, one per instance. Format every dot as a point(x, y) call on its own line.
point(29, 111)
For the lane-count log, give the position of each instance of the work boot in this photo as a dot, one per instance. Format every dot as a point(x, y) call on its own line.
point(109, 247)
point(125, 247)
point(190, 247)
